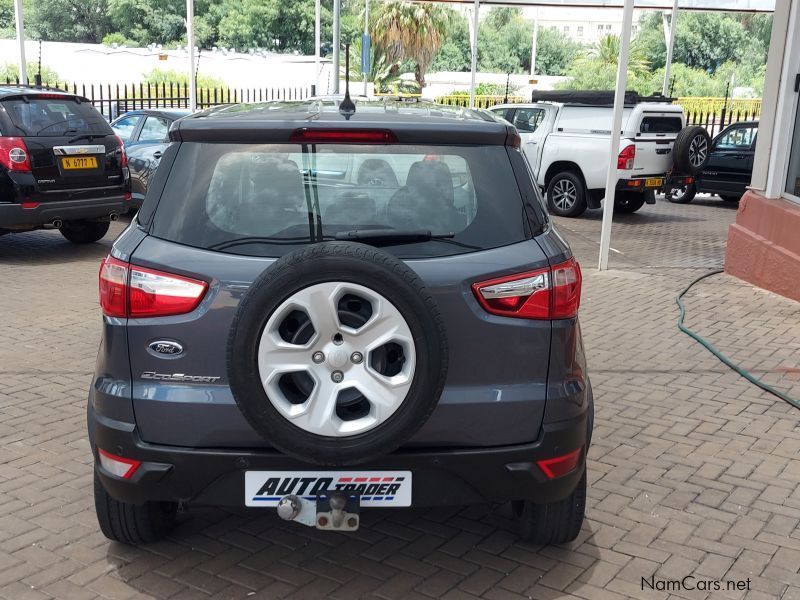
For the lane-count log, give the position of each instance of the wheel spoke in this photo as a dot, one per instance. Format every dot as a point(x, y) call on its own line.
point(318, 417)
point(319, 304)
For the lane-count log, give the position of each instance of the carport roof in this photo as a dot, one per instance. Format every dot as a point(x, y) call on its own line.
point(709, 5)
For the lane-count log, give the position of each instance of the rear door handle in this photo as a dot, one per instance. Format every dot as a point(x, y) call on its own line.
point(158, 154)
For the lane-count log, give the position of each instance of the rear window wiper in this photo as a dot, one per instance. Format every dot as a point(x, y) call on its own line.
point(391, 236)
point(86, 136)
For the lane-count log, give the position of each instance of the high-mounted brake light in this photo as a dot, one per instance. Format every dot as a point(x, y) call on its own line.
point(552, 293)
point(560, 465)
point(626, 158)
point(50, 96)
point(342, 136)
point(14, 154)
point(131, 291)
point(118, 465)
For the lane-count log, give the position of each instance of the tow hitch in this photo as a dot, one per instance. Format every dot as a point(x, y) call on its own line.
point(337, 511)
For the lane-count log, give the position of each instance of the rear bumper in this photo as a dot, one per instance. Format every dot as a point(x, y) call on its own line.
point(14, 215)
point(656, 183)
point(441, 477)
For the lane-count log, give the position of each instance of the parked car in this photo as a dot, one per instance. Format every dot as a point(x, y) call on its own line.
point(566, 137)
point(319, 315)
point(729, 168)
point(145, 135)
point(61, 166)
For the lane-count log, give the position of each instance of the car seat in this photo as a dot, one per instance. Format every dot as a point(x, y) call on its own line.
point(350, 208)
point(426, 201)
point(377, 172)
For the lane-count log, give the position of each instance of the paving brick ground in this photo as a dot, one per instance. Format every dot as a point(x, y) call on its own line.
point(693, 471)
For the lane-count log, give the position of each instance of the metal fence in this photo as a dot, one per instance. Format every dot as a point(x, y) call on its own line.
point(113, 100)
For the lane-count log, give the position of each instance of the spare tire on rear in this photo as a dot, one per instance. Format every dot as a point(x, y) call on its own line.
point(337, 353)
point(691, 149)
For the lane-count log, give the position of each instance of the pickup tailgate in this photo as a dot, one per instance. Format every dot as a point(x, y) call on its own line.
point(654, 134)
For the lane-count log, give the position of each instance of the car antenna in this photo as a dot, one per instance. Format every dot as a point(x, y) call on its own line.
point(347, 108)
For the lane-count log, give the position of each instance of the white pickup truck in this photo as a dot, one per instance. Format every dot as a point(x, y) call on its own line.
point(566, 137)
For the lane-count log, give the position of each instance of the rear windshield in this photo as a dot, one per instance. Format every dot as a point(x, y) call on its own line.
point(660, 125)
point(45, 117)
point(266, 200)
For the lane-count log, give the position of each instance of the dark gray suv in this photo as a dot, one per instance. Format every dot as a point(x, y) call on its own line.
point(318, 311)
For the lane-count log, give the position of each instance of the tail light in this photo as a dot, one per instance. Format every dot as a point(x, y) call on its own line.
point(14, 154)
point(342, 136)
point(560, 465)
point(118, 465)
point(552, 293)
point(626, 158)
point(131, 291)
point(123, 158)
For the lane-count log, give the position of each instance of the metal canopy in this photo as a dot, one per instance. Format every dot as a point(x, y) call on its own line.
point(749, 6)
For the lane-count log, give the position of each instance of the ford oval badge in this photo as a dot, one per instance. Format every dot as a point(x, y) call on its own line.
point(165, 348)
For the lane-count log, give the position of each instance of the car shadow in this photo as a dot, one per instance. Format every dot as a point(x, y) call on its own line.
point(644, 217)
point(49, 246)
point(247, 551)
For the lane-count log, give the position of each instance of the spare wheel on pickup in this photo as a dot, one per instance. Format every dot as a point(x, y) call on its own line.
point(337, 353)
point(691, 149)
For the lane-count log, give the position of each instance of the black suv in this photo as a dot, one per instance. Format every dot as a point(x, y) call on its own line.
point(318, 311)
point(61, 165)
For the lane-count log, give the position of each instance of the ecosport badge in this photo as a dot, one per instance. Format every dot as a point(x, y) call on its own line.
point(179, 377)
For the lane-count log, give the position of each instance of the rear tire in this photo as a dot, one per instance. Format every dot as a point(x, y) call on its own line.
point(566, 195)
point(554, 523)
point(728, 198)
point(629, 202)
point(84, 232)
point(684, 195)
point(130, 523)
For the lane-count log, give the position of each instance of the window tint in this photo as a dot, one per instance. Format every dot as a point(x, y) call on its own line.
point(527, 120)
point(124, 127)
point(738, 138)
point(155, 129)
point(266, 200)
point(660, 125)
point(54, 117)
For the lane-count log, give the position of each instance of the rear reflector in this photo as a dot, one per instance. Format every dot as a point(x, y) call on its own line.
point(342, 136)
point(552, 293)
point(131, 291)
point(560, 465)
point(117, 465)
point(30, 204)
point(14, 154)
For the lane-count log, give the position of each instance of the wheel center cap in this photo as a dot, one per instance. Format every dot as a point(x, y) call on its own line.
point(337, 358)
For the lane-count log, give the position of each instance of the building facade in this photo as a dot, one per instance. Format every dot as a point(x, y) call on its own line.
point(582, 25)
point(764, 242)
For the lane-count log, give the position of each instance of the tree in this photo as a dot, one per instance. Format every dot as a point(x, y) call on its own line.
point(71, 20)
point(10, 71)
point(554, 52)
point(455, 53)
point(408, 30)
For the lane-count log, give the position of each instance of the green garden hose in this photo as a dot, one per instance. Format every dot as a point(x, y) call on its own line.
point(725, 360)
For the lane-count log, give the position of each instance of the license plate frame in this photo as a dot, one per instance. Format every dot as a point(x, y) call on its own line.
point(654, 182)
point(78, 163)
point(386, 489)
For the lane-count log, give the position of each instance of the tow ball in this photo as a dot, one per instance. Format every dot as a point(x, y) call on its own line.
point(337, 511)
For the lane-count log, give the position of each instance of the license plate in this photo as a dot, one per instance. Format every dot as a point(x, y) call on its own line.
point(653, 182)
point(377, 488)
point(79, 162)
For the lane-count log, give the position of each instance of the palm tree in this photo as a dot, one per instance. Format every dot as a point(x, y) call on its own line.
point(414, 31)
point(383, 74)
point(606, 52)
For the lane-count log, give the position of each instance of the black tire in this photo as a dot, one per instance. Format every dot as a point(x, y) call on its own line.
point(130, 523)
point(353, 263)
point(554, 523)
point(84, 232)
point(691, 149)
point(629, 202)
point(728, 198)
point(684, 197)
point(564, 183)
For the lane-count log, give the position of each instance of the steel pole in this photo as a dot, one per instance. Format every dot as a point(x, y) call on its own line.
point(474, 62)
point(23, 67)
point(317, 44)
point(337, 10)
point(673, 29)
point(616, 125)
point(190, 43)
point(534, 41)
point(366, 32)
